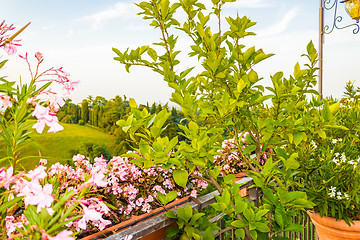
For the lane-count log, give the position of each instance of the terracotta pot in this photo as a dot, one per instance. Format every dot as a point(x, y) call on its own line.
point(243, 192)
point(329, 228)
point(158, 234)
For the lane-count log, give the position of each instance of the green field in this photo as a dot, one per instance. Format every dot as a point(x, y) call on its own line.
point(56, 147)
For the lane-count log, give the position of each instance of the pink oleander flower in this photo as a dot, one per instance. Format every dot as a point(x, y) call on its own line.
point(5, 101)
point(37, 173)
point(193, 193)
point(102, 208)
point(11, 225)
point(97, 178)
point(37, 195)
point(89, 215)
point(146, 207)
point(39, 56)
point(56, 101)
point(6, 177)
point(78, 157)
point(45, 118)
point(63, 235)
point(103, 223)
point(10, 49)
point(139, 202)
point(43, 162)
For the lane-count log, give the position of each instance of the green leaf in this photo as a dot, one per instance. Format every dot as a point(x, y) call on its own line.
point(152, 53)
point(321, 133)
point(262, 227)
point(2, 63)
point(280, 216)
point(180, 177)
point(172, 231)
point(170, 214)
point(293, 227)
point(196, 217)
point(208, 234)
point(249, 149)
point(171, 196)
point(240, 233)
point(292, 163)
point(334, 107)
point(298, 137)
point(215, 172)
point(132, 103)
point(239, 224)
point(240, 85)
point(260, 213)
point(6, 205)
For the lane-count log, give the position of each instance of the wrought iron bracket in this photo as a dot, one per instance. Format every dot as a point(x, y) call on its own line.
point(337, 19)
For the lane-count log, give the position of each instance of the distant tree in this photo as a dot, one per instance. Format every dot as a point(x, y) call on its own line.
point(95, 115)
point(101, 101)
point(90, 100)
point(91, 117)
point(67, 119)
point(100, 117)
point(85, 111)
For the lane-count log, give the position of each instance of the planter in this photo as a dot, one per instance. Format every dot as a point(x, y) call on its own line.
point(135, 222)
point(329, 228)
point(244, 191)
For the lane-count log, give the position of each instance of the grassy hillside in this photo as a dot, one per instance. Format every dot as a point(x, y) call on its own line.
point(56, 147)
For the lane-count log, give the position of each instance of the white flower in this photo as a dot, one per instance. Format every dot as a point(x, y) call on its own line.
point(337, 154)
point(332, 189)
point(313, 144)
point(334, 141)
point(346, 196)
point(339, 195)
point(351, 162)
point(343, 157)
point(335, 160)
point(332, 194)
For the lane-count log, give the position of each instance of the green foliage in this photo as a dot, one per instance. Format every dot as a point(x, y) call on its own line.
point(92, 150)
point(58, 147)
point(226, 97)
point(190, 225)
point(330, 158)
point(85, 111)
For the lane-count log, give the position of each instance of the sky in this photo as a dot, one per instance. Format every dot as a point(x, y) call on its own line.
point(79, 36)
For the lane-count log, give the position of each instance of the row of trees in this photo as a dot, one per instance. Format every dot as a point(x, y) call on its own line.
point(103, 114)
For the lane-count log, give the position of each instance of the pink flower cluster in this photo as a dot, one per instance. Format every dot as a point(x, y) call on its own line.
point(46, 115)
point(135, 190)
point(8, 45)
point(230, 158)
point(117, 182)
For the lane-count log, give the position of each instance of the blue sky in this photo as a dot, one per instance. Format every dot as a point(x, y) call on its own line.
point(78, 35)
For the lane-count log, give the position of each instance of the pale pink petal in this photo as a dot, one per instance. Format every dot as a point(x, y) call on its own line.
point(64, 235)
point(10, 49)
point(39, 126)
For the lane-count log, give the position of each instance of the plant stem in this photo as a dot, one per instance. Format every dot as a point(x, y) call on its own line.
point(218, 187)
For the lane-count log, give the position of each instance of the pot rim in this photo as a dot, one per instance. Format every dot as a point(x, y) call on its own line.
point(333, 223)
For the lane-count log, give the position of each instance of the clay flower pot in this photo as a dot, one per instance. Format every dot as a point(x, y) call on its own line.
point(244, 191)
point(329, 228)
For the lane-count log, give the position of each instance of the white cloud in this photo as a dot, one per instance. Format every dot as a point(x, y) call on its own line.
point(280, 26)
point(116, 11)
